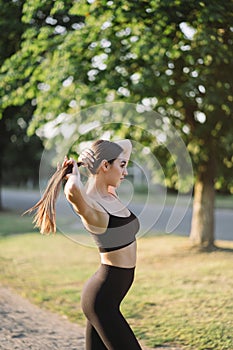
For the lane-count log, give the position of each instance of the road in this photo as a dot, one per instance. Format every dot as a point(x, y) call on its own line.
point(152, 217)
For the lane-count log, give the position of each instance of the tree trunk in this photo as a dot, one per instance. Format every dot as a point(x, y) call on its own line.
point(202, 228)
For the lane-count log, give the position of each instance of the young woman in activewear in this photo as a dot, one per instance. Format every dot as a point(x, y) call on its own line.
point(113, 228)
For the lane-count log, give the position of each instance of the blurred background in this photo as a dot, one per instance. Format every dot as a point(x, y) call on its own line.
point(168, 66)
point(160, 74)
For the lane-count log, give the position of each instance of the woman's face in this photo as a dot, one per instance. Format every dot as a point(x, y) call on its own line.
point(117, 171)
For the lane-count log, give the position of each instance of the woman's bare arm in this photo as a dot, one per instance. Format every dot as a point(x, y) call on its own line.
point(91, 213)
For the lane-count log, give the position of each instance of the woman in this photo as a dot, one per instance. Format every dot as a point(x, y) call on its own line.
point(113, 228)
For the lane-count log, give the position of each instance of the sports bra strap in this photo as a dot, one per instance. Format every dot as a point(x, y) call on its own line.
point(104, 208)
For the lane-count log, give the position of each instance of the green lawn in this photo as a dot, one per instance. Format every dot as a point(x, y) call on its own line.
point(179, 296)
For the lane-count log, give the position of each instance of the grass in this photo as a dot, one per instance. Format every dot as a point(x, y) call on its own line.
point(178, 296)
point(12, 223)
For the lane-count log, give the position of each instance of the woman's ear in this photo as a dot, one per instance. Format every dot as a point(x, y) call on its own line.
point(104, 165)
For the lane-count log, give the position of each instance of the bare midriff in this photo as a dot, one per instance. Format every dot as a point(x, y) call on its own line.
point(123, 257)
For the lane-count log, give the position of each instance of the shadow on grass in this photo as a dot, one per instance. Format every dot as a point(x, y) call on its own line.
point(225, 250)
point(211, 249)
point(12, 223)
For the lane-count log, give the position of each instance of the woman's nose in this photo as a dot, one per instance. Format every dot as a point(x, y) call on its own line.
point(125, 172)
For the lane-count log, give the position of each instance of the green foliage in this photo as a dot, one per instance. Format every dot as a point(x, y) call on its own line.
point(19, 155)
point(12, 29)
point(173, 57)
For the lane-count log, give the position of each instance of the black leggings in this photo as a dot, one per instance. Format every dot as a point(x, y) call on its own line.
point(106, 327)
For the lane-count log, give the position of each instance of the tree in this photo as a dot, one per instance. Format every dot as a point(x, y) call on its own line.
point(19, 155)
point(171, 57)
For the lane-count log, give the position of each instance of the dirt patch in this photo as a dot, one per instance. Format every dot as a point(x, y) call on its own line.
point(26, 326)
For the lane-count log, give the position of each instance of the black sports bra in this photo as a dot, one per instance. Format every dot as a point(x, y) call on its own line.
point(121, 232)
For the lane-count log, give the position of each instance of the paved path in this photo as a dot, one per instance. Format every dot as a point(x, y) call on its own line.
point(24, 326)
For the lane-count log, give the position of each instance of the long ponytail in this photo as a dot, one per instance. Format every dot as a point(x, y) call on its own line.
point(45, 217)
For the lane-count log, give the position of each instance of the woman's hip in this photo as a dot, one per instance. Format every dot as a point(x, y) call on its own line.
point(106, 288)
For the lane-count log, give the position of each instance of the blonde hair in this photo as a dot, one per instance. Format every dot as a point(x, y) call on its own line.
point(45, 216)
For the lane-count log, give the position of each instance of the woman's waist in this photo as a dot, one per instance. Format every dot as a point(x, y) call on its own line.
point(124, 257)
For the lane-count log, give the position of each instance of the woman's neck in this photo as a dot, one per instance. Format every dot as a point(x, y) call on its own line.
point(97, 188)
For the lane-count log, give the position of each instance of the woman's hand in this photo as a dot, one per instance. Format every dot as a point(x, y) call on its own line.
point(73, 177)
point(87, 158)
